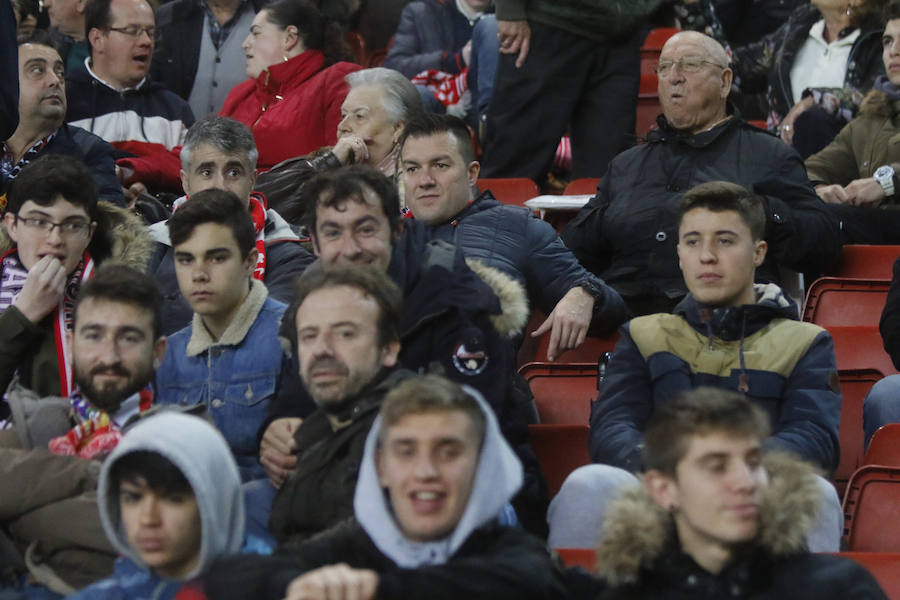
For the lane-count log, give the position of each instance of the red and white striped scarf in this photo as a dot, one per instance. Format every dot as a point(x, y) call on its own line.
point(11, 285)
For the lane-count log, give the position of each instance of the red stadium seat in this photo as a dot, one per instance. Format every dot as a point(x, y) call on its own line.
point(884, 448)
point(562, 392)
point(835, 301)
point(871, 507)
point(884, 566)
point(860, 348)
point(587, 352)
point(578, 557)
point(560, 449)
point(657, 38)
point(583, 185)
point(759, 124)
point(510, 190)
point(866, 262)
point(854, 387)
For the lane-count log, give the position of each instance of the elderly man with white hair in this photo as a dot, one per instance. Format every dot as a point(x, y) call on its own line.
point(627, 232)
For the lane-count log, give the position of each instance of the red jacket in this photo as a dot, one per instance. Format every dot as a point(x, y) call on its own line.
point(292, 108)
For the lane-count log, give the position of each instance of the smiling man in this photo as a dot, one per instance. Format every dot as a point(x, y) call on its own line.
point(111, 94)
point(435, 476)
point(228, 358)
point(714, 508)
point(728, 333)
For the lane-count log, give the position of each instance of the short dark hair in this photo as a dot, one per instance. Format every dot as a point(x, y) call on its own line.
point(222, 133)
point(97, 15)
point(49, 177)
point(38, 37)
point(120, 283)
point(699, 411)
point(214, 206)
point(891, 11)
point(371, 282)
point(428, 124)
point(334, 188)
point(429, 394)
point(720, 196)
point(160, 473)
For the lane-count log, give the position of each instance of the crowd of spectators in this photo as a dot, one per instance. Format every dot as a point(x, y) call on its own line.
point(259, 320)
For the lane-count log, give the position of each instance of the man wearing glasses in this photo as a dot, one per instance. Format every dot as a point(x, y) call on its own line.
point(112, 96)
point(55, 233)
point(626, 234)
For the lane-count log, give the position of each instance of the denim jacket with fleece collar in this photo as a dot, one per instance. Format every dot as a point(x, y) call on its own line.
point(235, 376)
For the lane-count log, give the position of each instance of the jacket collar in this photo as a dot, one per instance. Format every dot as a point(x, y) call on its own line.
point(290, 73)
point(638, 535)
point(237, 330)
point(667, 133)
point(733, 322)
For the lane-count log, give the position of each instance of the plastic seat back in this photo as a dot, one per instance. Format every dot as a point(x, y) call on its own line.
point(588, 352)
point(560, 449)
point(854, 387)
point(562, 391)
point(510, 190)
point(840, 302)
point(859, 348)
point(866, 262)
point(884, 448)
point(884, 567)
point(871, 508)
point(578, 557)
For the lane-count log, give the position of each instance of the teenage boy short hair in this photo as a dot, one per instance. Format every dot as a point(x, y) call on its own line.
point(120, 283)
point(429, 394)
point(49, 177)
point(720, 196)
point(698, 412)
point(213, 206)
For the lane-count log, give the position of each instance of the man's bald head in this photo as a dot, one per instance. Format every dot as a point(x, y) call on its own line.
point(714, 50)
point(694, 81)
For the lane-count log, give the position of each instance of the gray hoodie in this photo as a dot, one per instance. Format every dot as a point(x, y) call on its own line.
point(497, 479)
point(202, 455)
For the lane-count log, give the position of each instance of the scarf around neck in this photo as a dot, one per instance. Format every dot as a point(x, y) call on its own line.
point(883, 84)
point(13, 279)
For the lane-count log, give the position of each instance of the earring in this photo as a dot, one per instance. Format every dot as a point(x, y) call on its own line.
point(284, 57)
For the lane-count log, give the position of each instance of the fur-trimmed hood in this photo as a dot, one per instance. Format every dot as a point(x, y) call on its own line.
point(120, 236)
point(513, 299)
point(876, 105)
point(637, 531)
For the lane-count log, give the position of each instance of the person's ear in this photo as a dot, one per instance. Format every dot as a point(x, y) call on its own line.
point(315, 244)
point(159, 351)
point(9, 223)
point(759, 252)
point(727, 77)
point(184, 183)
point(474, 169)
point(379, 470)
point(662, 488)
point(397, 132)
point(250, 261)
point(97, 39)
point(291, 38)
point(390, 353)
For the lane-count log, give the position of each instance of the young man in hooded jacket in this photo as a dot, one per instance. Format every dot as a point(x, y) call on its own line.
point(436, 474)
point(727, 333)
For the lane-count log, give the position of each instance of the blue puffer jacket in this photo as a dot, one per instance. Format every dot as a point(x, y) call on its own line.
point(235, 376)
point(511, 239)
point(761, 350)
point(430, 35)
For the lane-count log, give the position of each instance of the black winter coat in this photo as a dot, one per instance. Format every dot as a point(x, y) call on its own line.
point(627, 233)
point(499, 563)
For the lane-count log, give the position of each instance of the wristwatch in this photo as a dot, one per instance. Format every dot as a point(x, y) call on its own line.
point(884, 175)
